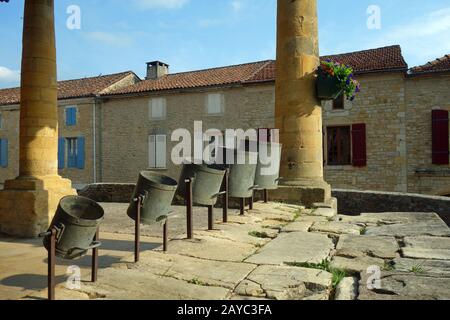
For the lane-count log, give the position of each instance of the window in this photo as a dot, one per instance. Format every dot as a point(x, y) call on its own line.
point(347, 145)
point(71, 116)
point(157, 151)
point(157, 109)
point(72, 149)
point(339, 103)
point(440, 137)
point(3, 153)
point(215, 104)
point(339, 145)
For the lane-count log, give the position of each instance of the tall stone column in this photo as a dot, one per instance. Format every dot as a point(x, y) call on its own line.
point(298, 111)
point(28, 203)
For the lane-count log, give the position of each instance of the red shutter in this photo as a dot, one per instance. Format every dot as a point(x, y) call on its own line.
point(440, 137)
point(359, 145)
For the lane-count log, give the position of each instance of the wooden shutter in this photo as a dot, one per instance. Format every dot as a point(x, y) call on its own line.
point(3, 153)
point(440, 130)
point(359, 148)
point(152, 151)
point(161, 151)
point(71, 116)
point(61, 152)
point(81, 143)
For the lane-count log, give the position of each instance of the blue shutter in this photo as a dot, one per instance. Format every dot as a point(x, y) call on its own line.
point(71, 116)
point(61, 152)
point(80, 152)
point(3, 153)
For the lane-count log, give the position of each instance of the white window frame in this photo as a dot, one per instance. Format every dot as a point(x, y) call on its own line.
point(157, 159)
point(153, 103)
point(213, 98)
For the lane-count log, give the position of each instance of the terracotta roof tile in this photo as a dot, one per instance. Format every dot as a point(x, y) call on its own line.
point(382, 59)
point(438, 65)
point(203, 78)
point(68, 89)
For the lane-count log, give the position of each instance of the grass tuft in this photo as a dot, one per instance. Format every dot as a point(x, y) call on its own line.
point(257, 234)
point(325, 265)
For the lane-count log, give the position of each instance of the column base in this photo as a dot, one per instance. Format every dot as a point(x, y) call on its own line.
point(27, 206)
point(305, 193)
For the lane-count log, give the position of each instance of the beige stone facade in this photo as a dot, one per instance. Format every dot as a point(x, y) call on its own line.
point(395, 108)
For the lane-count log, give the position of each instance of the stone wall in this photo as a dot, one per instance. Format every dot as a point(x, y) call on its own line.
point(423, 94)
point(127, 125)
point(381, 106)
point(108, 192)
point(352, 202)
point(10, 131)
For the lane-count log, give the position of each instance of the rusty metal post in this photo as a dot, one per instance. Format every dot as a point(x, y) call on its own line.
point(51, 265)
point(94, 270)
point(189, 208)
point(242, 206)
point(226, 198)
point(137, 230)
point(266, 196)
point(165, 235)
point(210, 218)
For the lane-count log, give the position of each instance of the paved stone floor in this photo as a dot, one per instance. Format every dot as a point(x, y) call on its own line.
point(276, 251)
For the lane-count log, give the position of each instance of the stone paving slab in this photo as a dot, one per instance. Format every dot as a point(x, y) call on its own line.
point(336, 228)
point(208, 272)
point(438, 229)
point(436, 248)
point(298, 247)
point(212, 248)
point(401, 286)
point(373, 246)
point(356, 265)
point(423, 267)
point(286, 283)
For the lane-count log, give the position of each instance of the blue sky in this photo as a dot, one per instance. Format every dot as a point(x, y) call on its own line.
point(119, 35)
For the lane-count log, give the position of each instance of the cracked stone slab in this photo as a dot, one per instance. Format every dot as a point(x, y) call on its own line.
point(209, 272)
point(291, 283)
point(391, 218)
point(211, 248)
point(401, 286)
point(427, 267)
point(250, 288)
point(137, 284)
point(312, 219)
point(347, 289)
point(374, 246)
point(297, 226)
point(294, 247)
point(336, 228)
point(427, 248)
point(356, 265)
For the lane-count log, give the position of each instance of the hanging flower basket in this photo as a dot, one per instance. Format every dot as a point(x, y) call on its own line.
point(334, 79)
point(327, 87)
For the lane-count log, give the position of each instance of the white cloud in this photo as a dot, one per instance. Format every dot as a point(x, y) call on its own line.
point(236, 5)
point(424, 38)
point(8, 75)
point(160, 4)
point(112, 39)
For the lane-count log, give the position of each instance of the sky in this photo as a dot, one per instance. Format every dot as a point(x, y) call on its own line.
point(115, 35)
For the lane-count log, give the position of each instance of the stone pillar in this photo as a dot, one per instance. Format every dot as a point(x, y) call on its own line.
point(28, 203)
point(298, 112)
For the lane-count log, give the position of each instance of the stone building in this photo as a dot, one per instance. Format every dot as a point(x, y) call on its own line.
point(79, 126)
point(383, 140)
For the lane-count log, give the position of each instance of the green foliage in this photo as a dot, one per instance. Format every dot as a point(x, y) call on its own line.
point(257, 234)
point(325, 265)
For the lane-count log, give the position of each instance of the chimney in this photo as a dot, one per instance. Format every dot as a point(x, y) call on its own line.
point(156, 70)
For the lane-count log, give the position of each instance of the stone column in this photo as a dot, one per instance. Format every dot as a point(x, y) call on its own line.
point(298, 112)
point(28, 203)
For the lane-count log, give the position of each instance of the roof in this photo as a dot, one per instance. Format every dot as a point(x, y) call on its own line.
point(69, 89)
point(374, 60)
point(438, 65)
point(203, 78)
